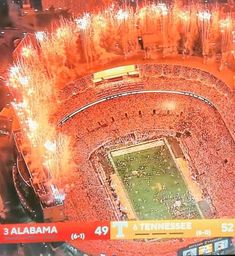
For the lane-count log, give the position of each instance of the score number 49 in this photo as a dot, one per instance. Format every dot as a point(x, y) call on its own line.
point(227, 227)
point(102, 230)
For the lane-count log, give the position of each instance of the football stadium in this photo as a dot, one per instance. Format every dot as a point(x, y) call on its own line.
point(127, 114)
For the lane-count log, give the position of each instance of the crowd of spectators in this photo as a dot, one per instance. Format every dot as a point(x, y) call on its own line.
point(154, 77)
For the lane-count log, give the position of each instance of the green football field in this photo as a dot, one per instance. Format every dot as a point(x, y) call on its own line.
point(154, 185)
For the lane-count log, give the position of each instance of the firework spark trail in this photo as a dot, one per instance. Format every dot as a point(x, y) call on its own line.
point(36, 87)
point(61, 56)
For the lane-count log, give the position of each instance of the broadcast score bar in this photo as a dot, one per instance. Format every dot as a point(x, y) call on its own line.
point(116, 230)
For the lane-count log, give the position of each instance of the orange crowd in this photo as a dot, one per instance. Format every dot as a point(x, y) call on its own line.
point(204, 137)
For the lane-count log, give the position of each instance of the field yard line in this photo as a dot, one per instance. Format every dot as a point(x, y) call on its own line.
point(139, 147)
point(183, 176)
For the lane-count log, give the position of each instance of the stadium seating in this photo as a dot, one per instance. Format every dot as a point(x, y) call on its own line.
point(180, 78)
point(205, 138)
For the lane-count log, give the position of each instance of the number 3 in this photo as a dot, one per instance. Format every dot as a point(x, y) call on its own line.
point(5, 231)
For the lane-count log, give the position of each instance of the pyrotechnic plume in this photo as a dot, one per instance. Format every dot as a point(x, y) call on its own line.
point(61, 56)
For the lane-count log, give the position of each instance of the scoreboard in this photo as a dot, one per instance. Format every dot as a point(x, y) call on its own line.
point(172, 229)
point(117, 230)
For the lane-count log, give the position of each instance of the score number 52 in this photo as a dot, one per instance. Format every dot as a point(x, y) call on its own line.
point(227, 227)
